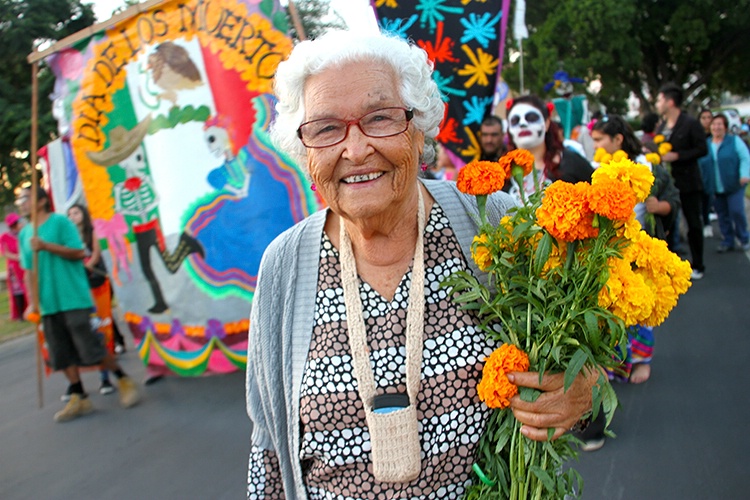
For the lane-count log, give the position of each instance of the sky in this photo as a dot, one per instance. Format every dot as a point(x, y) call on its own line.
point(357, 13)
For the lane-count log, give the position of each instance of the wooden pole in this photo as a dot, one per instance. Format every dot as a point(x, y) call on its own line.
point(34, 221)
point(297, 21)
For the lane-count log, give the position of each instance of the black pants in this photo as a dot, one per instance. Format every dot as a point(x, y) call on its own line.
point(692, 210)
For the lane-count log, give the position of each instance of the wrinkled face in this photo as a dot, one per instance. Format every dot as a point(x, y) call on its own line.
point(705, 118)
point(526, 126)
point(362, 177)
point(75, 215)
point(491, 138)
point(135, 164)
point(606, 141)
point(718, 129)
point(217, 140)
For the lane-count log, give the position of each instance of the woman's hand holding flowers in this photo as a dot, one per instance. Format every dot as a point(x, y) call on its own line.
point(554, 408)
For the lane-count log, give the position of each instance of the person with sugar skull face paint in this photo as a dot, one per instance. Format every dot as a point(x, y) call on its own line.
point(530, 127)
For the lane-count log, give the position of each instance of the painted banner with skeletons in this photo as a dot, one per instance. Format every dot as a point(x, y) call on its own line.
point(166, 116)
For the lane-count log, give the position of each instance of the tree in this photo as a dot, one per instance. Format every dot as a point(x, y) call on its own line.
point(24, 23)
point(637, 45)
point(316, 17)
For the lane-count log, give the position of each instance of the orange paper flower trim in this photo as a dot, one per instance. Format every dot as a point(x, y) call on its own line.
point(495, 389)
point(481, 178)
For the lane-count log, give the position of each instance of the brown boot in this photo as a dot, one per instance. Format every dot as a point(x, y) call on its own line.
point(75, 407)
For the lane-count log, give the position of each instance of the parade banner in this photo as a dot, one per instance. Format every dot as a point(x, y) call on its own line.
point(465, 41)
point(166, 113)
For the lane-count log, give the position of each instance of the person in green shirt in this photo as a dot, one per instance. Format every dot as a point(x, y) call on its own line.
point(65, 303)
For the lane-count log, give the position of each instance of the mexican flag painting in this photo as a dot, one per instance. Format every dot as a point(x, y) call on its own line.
point(166, 111)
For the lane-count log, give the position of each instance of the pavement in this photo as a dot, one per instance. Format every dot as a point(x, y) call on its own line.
point(681, 435)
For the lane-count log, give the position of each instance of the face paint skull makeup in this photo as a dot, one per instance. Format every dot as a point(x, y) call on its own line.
point(526, 126)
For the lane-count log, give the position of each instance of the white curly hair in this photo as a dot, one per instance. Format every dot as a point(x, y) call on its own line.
point(417, 88)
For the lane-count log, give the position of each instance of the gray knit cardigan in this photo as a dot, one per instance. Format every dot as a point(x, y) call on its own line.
point(282, 318)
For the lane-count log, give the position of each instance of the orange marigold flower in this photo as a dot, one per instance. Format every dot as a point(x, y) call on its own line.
point(612, 199)
point(495, 389)
point(520, 158)
point(481, 178)
point(565, 211)
point(480, 253)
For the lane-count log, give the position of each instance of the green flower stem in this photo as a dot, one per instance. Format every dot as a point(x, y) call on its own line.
point(517, 173)
point(482, 204)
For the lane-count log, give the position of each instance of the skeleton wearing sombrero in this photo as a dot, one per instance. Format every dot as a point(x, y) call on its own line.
point(136, 197)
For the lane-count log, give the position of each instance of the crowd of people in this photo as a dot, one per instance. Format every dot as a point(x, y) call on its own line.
point(338, 323)
point(349, 328)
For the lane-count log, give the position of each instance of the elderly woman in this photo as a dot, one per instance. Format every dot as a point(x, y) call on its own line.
point(530, 127)
point(361, 370)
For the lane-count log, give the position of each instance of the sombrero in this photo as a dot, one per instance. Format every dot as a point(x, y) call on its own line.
point(122, 143)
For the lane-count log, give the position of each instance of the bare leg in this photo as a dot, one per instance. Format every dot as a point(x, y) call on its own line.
point(72, 374)
point(641, 372)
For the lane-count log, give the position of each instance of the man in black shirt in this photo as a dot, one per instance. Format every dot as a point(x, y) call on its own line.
point(688, 141)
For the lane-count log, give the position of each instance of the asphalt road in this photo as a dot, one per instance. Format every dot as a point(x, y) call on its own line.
point(682, 435)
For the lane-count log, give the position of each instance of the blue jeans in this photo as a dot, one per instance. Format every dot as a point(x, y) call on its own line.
point(732, 220)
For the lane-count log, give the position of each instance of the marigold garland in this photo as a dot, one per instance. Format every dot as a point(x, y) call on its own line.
point(495, 389)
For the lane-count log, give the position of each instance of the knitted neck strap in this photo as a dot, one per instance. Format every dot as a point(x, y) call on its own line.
point(356, 323)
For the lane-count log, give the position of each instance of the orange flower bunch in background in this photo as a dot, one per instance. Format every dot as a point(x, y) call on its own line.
point(495, 389)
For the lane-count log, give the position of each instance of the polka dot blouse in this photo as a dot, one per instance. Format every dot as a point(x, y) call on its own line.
point(335, 443)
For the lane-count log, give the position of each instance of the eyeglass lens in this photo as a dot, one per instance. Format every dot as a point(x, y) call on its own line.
point(383, 122)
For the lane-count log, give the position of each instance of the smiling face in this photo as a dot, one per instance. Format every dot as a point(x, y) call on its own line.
point(361, 177)
point(718, 128)
point(527, 126)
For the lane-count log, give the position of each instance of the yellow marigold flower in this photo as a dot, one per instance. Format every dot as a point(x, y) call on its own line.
point(664, 148)
point(481, 178)
point(481, 253)
point(495, 389)
point(556, 259)
point(637, 176)
point(612, 199)
point(565, 213)
point(619, 155)
point(653, 158)
point(601, 156)
point(519, 157)
point(659, 138)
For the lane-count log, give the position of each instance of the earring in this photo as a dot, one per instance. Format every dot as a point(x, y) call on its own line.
point(313, 186)
point(424, 167)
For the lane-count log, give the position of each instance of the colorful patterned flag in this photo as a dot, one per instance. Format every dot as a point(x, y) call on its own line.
point(465, 41)
point(167, 114)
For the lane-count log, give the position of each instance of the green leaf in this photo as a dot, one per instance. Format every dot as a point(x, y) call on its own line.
point(544, 477)
point(542, 252)
point(528, 394)
point(574, 368)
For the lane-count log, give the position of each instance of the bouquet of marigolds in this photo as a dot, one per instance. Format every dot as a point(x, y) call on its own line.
point(568, 272)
